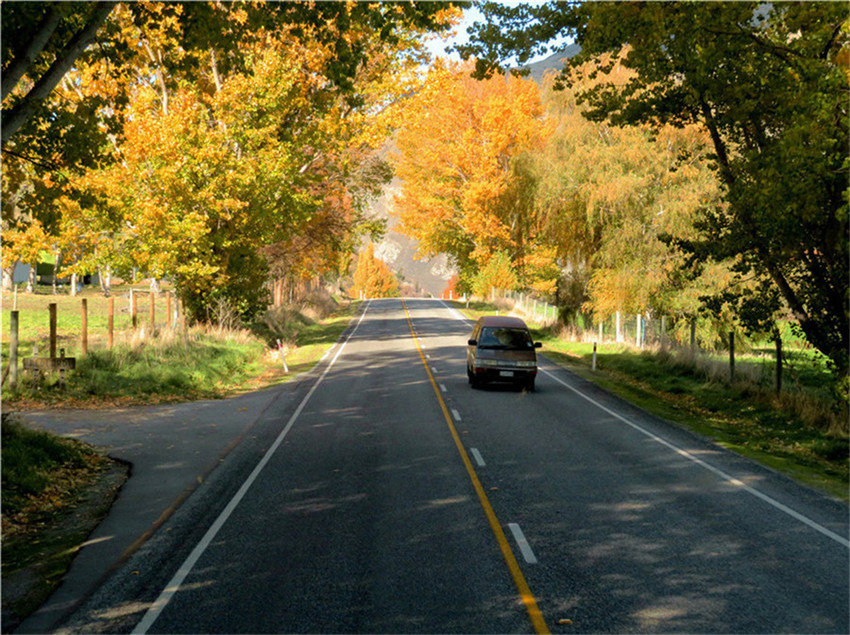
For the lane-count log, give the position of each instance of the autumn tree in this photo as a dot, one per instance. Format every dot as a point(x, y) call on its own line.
point(372, 277)
point(43, 40)
point(497, 274)
point(456, 150)
point(154, 58)
point(608, 197)
point(202, 186)
point(768, 82)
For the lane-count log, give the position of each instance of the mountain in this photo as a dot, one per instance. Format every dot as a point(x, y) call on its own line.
point(554, 62)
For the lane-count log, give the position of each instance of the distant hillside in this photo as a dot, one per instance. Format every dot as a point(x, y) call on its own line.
point(399, 252)
point(554, 62)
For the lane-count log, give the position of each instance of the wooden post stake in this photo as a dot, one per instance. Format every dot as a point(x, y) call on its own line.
point(133, 308)
point(152, 312)
point(731, 355)
point(84, 336)
point(52, 308)
point(110, 323)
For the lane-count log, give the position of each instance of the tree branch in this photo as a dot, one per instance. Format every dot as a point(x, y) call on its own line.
point(19, 66)
point(15, 117)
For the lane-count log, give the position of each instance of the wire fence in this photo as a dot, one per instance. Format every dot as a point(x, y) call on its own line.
point(47, 329)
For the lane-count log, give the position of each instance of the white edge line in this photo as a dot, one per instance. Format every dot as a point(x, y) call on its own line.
point(522, 543)
point(726, 477)
point(457, 314)
point(173, 586)
point(730, 479)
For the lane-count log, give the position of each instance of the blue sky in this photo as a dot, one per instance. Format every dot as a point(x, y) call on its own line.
point(438, 47)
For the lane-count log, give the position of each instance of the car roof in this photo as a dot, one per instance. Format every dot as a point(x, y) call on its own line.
point(502, 320)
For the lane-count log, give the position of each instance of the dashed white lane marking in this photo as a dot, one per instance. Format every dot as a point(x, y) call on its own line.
point(427, 356)
point(443, 388)
point(477, 456)
point(522, 543)
point(456, 414)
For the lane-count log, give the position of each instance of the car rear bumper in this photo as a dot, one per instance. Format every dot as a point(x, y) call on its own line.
point(508, 375)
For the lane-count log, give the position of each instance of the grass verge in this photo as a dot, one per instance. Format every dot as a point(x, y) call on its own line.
point(791, 433)
point(48, 511)
point(200, 363)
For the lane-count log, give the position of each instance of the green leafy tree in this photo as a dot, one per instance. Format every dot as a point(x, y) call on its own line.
point(769, 83)
point(607, 195)
point(498, 273)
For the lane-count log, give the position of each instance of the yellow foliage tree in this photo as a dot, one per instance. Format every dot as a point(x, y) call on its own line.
point(456, 162)
point(373, 277)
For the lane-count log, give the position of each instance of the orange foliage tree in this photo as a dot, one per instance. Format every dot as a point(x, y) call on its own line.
point(372, 277)
point(461, 192)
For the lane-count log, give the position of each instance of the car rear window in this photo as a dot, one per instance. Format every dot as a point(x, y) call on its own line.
point(507, 338)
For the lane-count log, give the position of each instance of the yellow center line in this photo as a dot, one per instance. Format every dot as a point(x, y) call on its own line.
point(519, 579)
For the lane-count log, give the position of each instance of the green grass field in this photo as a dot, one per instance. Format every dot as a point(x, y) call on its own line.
point(162, 365)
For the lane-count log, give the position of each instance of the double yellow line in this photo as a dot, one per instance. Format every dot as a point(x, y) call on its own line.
point(519, 579)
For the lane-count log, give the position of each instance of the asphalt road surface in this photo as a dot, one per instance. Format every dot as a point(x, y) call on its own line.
point(392, 497)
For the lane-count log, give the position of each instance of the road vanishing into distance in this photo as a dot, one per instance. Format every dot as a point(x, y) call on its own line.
point(388, 496)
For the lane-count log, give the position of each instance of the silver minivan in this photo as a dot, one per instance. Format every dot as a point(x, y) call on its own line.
point(501, 350)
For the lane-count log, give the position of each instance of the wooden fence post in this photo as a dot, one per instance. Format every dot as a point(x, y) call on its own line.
point(731, 355)
point(168, 310)
point(13, 350)
point(152, 312)
point(84, 336)
point(133, 308)
point(52, 308)
point(110, 322)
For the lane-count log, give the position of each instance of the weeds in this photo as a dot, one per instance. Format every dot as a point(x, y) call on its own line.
point(36, 471)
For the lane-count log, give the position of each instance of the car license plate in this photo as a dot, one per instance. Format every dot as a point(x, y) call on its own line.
point(506, 373)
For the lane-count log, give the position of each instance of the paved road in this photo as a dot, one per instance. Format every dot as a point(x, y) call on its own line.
point(391, 497)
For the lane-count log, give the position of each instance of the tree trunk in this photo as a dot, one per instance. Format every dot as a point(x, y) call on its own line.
point(32, 278)
point(9, 277)
point(105, 277)
point(15, 117)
